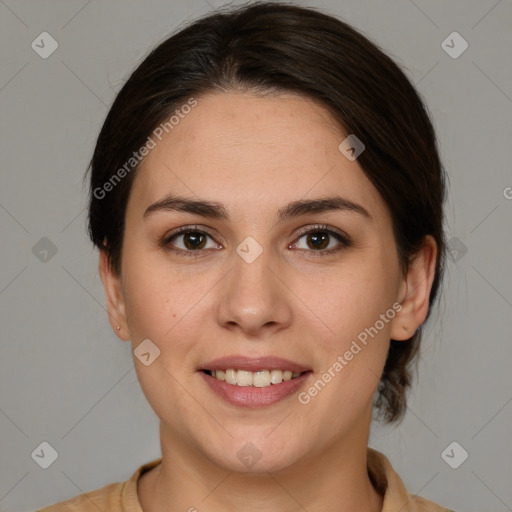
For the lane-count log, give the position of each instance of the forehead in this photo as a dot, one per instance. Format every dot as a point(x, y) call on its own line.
point(253, 152)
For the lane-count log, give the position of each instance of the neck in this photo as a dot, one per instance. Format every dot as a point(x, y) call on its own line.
point(335, 479)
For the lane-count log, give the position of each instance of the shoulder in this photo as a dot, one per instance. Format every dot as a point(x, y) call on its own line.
point(419, 504)
point(392, 488)
point(106, 498)
point(116, 497)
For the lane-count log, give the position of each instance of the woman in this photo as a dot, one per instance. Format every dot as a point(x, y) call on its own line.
point(267, 198)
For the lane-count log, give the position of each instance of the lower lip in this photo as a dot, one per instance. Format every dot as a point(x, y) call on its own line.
point(251, 396)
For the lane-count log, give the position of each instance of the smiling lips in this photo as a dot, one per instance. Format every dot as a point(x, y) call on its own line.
point(254, 382)
point(259, 379)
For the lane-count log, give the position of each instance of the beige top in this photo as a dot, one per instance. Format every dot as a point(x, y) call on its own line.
point(122, 497)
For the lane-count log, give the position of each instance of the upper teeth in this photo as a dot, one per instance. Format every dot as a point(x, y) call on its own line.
point(259, 379)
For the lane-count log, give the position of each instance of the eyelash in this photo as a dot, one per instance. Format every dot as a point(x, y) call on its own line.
point(319, 228)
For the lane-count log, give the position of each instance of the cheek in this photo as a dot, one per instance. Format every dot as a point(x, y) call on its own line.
point(354, 309)
point(347, 300)
point(150, 309)
point(351, 356)
point(160, 309)
point(156, 298)
point(165, 306)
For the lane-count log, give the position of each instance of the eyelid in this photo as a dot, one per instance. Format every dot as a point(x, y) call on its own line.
point(187, 229)
point(323, 227)
point(344, 241)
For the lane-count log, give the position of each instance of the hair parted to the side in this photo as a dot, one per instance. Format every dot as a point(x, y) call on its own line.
point(275, 47)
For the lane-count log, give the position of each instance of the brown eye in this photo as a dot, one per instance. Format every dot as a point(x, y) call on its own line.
point(194, 240)
point(188, 241)
point(318, 240)
point(321, 241)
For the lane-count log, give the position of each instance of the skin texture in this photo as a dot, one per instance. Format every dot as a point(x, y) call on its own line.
point(255, 155)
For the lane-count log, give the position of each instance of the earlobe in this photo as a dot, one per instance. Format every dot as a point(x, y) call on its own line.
point(114, 297)
point(415, 291)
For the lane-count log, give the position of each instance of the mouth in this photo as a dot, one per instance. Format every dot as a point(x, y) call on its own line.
point(254, 382)
point(258, 379)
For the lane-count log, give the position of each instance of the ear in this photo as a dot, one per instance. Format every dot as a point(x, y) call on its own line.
point(114, 295)
point(415, 291)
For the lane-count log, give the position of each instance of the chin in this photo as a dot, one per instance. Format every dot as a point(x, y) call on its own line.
point(272, 464)
point(256, 457)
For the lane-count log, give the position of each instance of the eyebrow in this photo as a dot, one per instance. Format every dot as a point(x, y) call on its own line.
point(214, 210)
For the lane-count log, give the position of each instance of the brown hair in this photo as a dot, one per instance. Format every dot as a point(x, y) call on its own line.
point(273, 47)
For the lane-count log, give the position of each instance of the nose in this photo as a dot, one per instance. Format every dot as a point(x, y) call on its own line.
point(252, 299)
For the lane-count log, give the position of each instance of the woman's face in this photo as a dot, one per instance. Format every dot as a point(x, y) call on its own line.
point(253, 285)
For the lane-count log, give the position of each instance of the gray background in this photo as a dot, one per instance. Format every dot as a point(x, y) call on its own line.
point(67, 380)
